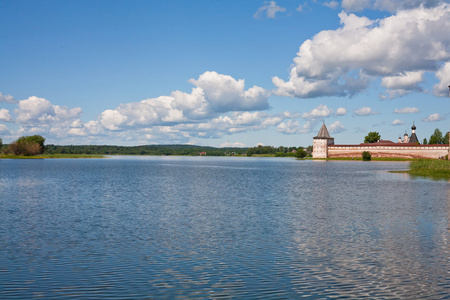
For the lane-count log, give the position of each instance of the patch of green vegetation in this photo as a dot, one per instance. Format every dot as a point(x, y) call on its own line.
point(11, 156)
point(433, 168)
point(373, 158)
point(366, 156)
point(70, 156)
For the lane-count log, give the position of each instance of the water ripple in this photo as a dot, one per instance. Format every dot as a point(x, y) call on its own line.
point(196, 228)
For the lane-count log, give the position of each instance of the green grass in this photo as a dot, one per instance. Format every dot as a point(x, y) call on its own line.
point(7, 156)
point(434, 168)
point(373, 158)
point(71, 156)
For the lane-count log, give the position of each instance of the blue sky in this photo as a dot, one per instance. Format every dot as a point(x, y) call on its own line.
point(222, 73)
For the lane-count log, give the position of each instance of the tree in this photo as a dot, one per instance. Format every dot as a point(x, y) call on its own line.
point(425, 141)
point(33, 139)
point(372, 137)
point(27, 145)
point(300, 153)
point(436, 137)
point(446, 137)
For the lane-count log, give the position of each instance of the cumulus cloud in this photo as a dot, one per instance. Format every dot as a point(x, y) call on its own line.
point(331, 4)
point(406, 110)
point(364, 111)
point(214, 94)
point(402, 84)
point(217, 105)
point(398, 48)
point(4, 115)
point(391, 5)
point(7, 98)
point(336, 127)
point(294, 127)
point(441, 89)
point(341, 111)
point(269, 9)
point(39, 110)
point(433, 118)
point(224, 93)
point(39, 116)
point(321, 111)
point(397, 122)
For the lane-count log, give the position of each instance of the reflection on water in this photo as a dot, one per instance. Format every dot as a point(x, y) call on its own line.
point(158, 227)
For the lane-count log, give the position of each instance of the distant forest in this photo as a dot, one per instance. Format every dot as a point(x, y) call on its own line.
point(178, 150)
point(187, 150)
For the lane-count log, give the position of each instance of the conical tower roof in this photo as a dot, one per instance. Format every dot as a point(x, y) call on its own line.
point(323, 133)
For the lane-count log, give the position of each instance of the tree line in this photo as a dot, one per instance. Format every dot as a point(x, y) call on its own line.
point(281, 151)
point(435, 138)
point(166, 150)
point(34, 145)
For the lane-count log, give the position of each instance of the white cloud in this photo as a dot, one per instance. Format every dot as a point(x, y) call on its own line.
point(341, 111)
point(294, 127)
point(331, 4)
point(235, 144)
point(398, 48)
point(290, 127)
point(441, 89)
point(4, 115)
point(336, 127)
point(39, 110)
point(224, 93)
point(364, 111)
point(270, 9)
point(214, 94)
point(304, 7)
point(406, 110)
point(111, 119)
point(387, 5)
point(397, 122)
point(400, 85)
point(320, 111)
point(433, 118)
point(4, 129)
point(7, 98)
point(218, 105)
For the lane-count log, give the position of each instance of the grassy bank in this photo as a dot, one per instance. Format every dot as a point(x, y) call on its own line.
point(7, 156)
point(373, 159)
point(430, 168)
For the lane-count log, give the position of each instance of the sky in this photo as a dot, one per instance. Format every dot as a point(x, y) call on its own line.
point(222, 72)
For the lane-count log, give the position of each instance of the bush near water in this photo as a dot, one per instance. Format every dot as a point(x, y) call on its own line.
point(430, 168)
point(366, 156)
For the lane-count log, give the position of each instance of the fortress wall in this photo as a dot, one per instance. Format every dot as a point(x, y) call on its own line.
point(412, 151)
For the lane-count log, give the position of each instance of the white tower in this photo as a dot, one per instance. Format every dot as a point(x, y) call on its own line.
point(321, 142)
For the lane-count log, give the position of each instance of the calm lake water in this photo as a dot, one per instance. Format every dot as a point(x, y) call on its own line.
point(219, 228)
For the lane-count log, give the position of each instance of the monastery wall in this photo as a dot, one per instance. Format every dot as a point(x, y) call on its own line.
point(395, 151)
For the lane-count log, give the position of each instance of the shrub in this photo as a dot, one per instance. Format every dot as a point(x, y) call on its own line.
point(300, 153)
point(366, 156)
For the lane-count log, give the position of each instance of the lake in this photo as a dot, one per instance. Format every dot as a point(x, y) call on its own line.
point(220, 228)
